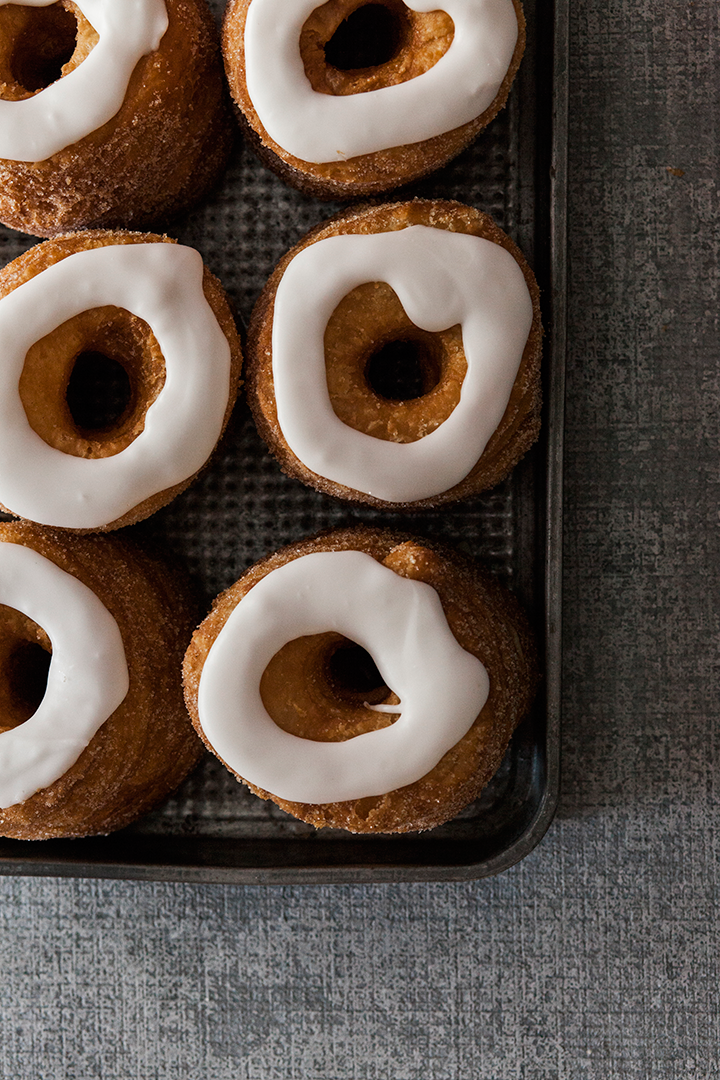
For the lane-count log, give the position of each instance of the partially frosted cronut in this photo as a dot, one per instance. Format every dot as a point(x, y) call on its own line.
point(351, 97)
point(110, 114)
point(105, 625)
point(395, 738)
point(394, 356)
point(145, 315)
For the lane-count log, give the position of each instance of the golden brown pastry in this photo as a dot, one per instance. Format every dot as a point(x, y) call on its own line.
point(101, 330)
point(110, 114)
point(364, 679)
point(351, 97)
point(394, 356)
point(93, 730)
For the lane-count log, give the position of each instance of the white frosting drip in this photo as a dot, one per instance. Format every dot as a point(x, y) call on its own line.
point(162, 284)
point(87, 681)
point(441, 278)
point(321, 127)
point(400, 622)
point(83, 100)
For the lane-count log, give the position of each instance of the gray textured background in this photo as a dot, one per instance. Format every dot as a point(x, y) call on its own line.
point(597, 957)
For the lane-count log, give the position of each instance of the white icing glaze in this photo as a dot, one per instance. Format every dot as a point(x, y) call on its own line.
point(321, 127)
point(87, 97)
point(400, 622)
point(87, 681)
point(162, 284)
point(441, 278)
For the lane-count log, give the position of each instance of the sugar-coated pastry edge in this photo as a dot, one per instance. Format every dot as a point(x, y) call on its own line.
point(162, 152)
point(370, 174)
point(485, 619)
point(34, 261)
point(147, 747)
point(520, 425)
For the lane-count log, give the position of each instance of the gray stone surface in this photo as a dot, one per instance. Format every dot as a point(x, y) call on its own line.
point(597, 957)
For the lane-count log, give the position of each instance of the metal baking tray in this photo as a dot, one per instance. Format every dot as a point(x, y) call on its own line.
point(242, 507)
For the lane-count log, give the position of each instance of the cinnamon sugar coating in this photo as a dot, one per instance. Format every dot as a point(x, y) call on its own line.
point(114, 332)
point(158, 155)
point(371, 315)
point(485, 619)
point(147, 746)
point(426, 37)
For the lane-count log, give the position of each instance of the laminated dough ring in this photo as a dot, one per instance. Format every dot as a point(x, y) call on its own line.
point(93, 729)
point(355, 97)
point(394, 356)
point(120, 367)
point(111, 113)
point(363, 680)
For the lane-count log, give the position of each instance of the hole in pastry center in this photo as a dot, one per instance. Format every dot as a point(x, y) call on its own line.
point(26, 674)
point(403, 370)
point(370, 36)
point(352, 672)
point(99, 391)
point(318, 687)
point(43, 46)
